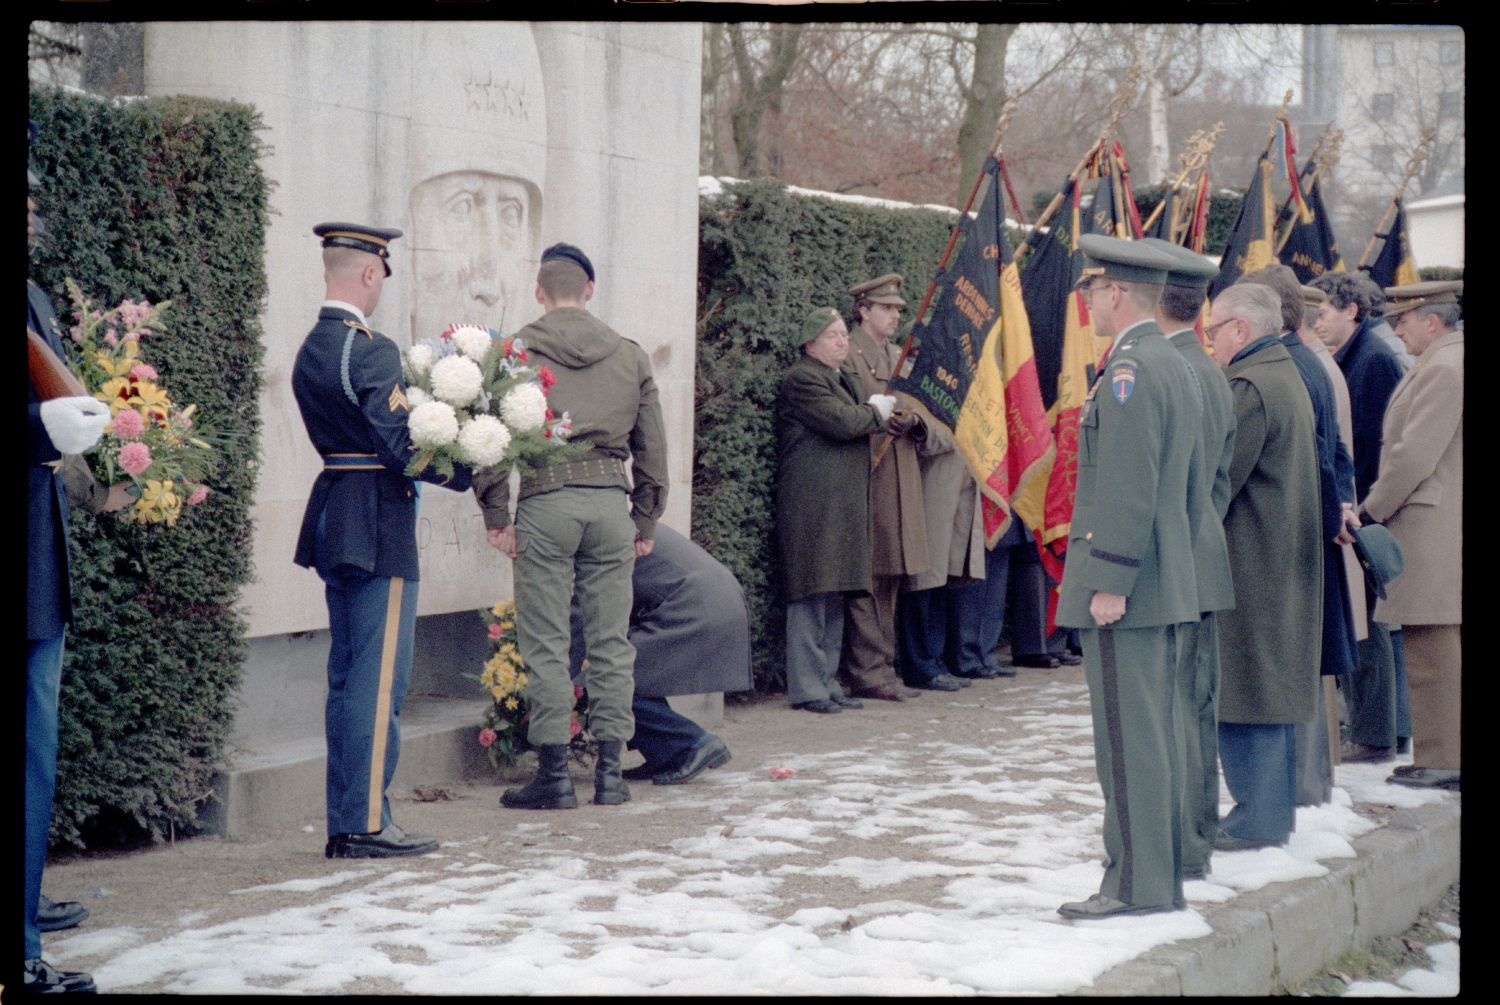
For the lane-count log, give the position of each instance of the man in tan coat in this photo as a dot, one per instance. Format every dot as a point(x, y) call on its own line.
point(897, 518)
point(1419, 496)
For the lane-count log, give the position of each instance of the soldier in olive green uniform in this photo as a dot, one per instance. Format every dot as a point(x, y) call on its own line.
point(580, 525)
point(1208, 502)
point(1130, 580)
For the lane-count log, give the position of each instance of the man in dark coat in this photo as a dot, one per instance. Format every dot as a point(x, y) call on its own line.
point(1379, 714)
point(359, 533)
point(1208, 501)
point(1268, 643)
point(690, 628)
point(822, 506)
point(66, 425)
point(1129, 581)
point(1336, 492)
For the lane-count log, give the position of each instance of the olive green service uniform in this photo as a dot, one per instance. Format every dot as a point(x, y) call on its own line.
point(898, 523)
point(574, 529)
point(1131, 536)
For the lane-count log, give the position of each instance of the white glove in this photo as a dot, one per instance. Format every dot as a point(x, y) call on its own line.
point(74, 424)
point(885, 404)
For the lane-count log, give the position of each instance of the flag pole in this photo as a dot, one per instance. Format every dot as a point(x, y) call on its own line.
point(1320, 160)
point(1194, 156)
point(1413, 165)
point(1123, 99)
point(1005, 115)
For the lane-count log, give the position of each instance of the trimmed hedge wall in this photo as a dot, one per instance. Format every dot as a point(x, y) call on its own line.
point(765, 258)
point(161, 199)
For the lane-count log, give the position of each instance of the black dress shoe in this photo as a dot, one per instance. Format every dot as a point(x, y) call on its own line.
point(41, 978)
point(392, 842)
point(978, 673)
point(712, 754)
point(1068, 659)
point(641, 772)
point(882, 693)
point(1224, 841)
point(1039, 661)
point(942, 682)
point(55, 916)
point(1099, 906)
point(845, 701)
point(1414, 777)
point(822, 706)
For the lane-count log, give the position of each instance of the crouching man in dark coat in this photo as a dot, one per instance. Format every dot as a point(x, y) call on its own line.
point(691, 631)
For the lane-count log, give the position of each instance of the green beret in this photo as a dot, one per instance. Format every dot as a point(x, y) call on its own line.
point(1127, 261)
point(814, 322)
point(1188, 268)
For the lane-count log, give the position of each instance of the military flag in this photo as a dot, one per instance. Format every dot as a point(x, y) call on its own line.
point(1394, 266)
point(1249, 245)
point(974, 370)
point(1068, 351)
point(1165, 221)
point(1310, 249)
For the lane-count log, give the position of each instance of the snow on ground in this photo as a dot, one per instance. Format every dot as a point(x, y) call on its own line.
point(1438, 981)
point(836, 881)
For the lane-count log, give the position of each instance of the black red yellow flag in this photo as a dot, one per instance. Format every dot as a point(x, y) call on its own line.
point(1394, 266)
point(1249, 245)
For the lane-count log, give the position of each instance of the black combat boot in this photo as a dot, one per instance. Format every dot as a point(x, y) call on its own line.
point(609, 788)
point(552, 787)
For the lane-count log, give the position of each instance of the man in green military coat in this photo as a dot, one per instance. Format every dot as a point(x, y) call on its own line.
point(1208, 500)
point(1130, 580)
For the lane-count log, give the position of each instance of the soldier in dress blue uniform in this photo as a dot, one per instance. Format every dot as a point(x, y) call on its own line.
point(359, 532)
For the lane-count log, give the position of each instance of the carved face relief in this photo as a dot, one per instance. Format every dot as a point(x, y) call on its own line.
point(472, 247)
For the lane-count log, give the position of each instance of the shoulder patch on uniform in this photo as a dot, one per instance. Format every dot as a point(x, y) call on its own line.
point(359, 327)
point(398, 399)
point(1122, 379)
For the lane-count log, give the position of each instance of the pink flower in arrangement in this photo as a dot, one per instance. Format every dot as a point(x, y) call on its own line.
point(76, 334)
point(487, 737)
point(128, 424)
point(135, 458)
point(495, 632)
point(198, 495)
point(110, 339)
point(143, 371)
point(574, 728)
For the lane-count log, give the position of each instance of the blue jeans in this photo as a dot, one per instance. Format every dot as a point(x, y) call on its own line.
point(43, 684)
point(662, 735)
point(1260, 771)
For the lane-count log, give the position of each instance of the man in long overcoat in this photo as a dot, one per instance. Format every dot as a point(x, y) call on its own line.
point(1269, 642)
point(823, 428)
point(1379, 716)
point(1419, 496)
point(898, 527)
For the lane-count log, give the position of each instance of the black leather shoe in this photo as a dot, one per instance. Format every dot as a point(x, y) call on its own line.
point(1099, 906)
point(609, 788)
point(1068, 659)
point(1228, 842)
point(882, 693)
point(551, 788)
point(1414, 777)
point(822, 706)
point(1357, 753)
point(55, 916)
point(642, 772)
point(393, 842)
point(712, 754)
point(1040, 661)
point(845, 701)
point(942, 682)
point(978, 673)
point(1195, 871)
point(41, 978)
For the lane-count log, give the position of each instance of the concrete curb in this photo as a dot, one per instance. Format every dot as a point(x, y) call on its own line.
point(1266, 940)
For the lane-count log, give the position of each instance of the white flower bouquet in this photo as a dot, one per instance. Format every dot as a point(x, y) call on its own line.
point(476, 400)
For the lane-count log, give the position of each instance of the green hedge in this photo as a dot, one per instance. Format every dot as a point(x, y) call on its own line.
point(765, 257)
point(161, 199)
